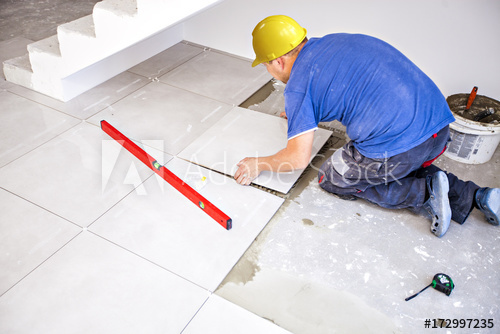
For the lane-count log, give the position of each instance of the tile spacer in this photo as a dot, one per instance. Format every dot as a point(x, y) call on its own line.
point(168, 176)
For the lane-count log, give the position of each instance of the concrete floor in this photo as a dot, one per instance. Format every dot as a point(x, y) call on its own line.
point(323, 265)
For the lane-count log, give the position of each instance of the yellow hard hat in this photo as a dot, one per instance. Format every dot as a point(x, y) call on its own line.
point(275, 36)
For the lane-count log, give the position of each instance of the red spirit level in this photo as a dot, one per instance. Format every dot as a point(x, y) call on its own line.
point(168, 176)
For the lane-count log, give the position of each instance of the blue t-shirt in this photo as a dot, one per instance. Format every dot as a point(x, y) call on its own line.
point(387, 104)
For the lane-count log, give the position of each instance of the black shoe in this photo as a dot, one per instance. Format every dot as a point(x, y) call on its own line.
point(488, 201)
point(438, 203)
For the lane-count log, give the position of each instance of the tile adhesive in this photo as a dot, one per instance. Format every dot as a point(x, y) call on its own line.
point(475, 133)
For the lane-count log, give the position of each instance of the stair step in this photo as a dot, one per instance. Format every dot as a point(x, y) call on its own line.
point(45, 57)
point(111, 16)
point(83, 26)
point(18, 70)
point(125, 8)
point(49, 45)
point(85, 52)
point(78, 44)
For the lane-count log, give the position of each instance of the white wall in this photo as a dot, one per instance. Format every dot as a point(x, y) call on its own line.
point(456, 42)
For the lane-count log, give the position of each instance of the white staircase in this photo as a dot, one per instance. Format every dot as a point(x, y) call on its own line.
point(86, 52)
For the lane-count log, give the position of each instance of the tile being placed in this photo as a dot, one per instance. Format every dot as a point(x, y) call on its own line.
point(166, 61)
point(219, 76)
point(25, 125)
point(28, 236)
point(93, 286)
point(247, 133)
point(166, 228)
point(93, 100)
point(78, 175)
point(165, 113)
point(219, 316)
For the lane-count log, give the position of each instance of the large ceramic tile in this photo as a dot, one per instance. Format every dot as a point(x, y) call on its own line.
point(78, 175)
point(25, 125)
point(93, 100)
point(28, 236)
point(168, 229)
point(93, 286)
point(219, 76)
point(167, 60)
point(218, 316)
point(161, 112)
point(247, 133)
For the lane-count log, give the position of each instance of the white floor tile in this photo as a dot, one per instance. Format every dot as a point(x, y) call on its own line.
point(25, 125)
point(161, 112)
point(78, 175)
point(247, 133)
point(92, 101)
point(218, 316)
point(93, 286)
point(28, 236)
point(219, 76)
point(167, 60)
point(168, 229)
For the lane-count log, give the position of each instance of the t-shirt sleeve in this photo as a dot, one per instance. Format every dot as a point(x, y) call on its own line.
point(300, 113)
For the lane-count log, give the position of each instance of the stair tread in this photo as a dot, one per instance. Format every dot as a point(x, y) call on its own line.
point(48, 45)
point(115, 37)
point(118, 7)
point(22, 62)
point(82, 26)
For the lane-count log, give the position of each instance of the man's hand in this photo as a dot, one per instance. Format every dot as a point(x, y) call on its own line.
point(295, 155)
point(248, 170)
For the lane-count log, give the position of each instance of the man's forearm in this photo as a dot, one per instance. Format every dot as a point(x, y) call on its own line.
point(283, 161)
point(295, 155)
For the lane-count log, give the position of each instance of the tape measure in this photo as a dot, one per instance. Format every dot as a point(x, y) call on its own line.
point(440, 282)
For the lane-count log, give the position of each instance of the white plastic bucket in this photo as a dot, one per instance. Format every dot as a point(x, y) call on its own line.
point(473, 142)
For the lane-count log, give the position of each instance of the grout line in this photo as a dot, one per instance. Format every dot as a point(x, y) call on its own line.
point(37, 146)
point(121, 199)
point(41, 103)
point(41, 207)
point(198, 94)
point(194, 315)
point(115, 102)
point(148, 260)
point(41, 263)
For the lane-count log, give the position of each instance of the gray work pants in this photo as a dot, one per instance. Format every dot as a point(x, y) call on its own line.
point(396, 182)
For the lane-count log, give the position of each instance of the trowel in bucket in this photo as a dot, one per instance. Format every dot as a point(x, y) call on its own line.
point(472, 97)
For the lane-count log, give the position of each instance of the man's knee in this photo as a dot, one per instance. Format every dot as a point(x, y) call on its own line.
point(332, 181)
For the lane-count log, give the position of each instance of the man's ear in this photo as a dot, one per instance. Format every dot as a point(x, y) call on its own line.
point(281, 62)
